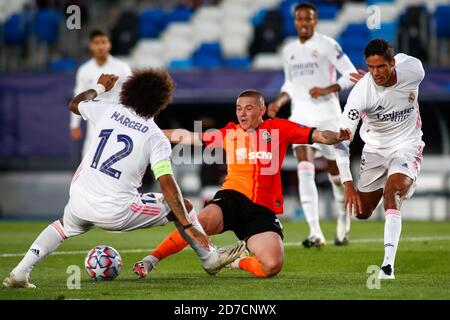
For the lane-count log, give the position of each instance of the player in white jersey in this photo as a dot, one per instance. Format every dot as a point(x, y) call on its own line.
point(310, 65)
point(104, 190)
point(87, 75)
point(385, 99)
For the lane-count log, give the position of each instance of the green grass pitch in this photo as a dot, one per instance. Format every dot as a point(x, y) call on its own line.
point(422, 266)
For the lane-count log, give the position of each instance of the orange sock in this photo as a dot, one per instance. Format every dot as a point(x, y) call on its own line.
point(172, 244)
point(252, 265)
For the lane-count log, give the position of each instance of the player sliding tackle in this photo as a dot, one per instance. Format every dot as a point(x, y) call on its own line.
point(385, 99)
point(251, 195)
point(104, 191)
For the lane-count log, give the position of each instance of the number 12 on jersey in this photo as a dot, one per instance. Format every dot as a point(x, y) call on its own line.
point(105, 167)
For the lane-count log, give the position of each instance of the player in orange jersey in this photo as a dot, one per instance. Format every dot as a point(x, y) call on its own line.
point(251, 195)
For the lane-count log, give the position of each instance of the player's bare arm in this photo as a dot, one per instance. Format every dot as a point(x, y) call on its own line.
point(182, 136)
point(331, 137)
point(355, 77)
point(107, 81)
point(319, 92)
point(274, 107)
point(173, 197)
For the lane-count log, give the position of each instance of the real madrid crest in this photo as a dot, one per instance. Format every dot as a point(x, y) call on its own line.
point(315, 53)
point(266, 136)
point(411, 97)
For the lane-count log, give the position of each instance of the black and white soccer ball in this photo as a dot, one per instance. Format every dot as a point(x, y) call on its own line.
point(103, 263)
point(353, 114)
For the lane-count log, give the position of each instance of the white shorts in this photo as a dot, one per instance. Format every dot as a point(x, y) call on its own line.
point(377, 166)
point(327, 151)
point(147, 210)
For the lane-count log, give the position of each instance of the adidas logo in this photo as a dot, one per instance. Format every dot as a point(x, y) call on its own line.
point(379, 108)
point(405, 165)
point(35, 251)
point(388, 245)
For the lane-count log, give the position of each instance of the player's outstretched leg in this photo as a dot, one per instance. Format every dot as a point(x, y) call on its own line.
point(343, 219)
point(269, 255)
point(310, 203)
point(47, 242)
point(172, 244)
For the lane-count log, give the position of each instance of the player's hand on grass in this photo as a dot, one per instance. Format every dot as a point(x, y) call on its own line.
point(344, 134)
point(199, 237)
point(273, 109)
point(355, 77)
point(352, 201)
point(108, 81)
point(76, 134)
point(318, 92)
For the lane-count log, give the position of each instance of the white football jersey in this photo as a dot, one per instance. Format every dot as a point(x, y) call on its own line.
point(390, 115)
point(314, 64)
point(107, 180)
point(88, 74)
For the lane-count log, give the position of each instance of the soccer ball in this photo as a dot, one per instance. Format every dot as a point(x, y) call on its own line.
point(103, 263)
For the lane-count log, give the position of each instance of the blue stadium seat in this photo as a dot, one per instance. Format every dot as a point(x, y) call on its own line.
point(63, 65)
point(371, 2)
point(244, 62)
point(180, 15)
point(258, 18)
point(46, 26)
point(181, 64)
point(151, 23)
point(287, 13)
point(17, 28)
point(442, 17)
point(208, 55)
point(387, 31)
point(357, 30)
point(327, 11)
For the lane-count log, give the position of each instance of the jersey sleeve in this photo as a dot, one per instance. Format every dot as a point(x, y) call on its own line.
point(294, 132)
point(356, 104)
point(412, 67)
point(93, 110)
point(214, 138)
point(159, 149)
point(343, 65)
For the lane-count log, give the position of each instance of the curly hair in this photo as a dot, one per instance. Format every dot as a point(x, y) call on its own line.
point(147, 92)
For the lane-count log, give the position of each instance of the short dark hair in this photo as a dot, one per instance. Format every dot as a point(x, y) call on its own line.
point(147, 92)
point(254, 94)
point(97, 33)
point(305, 5)
point(379, 47)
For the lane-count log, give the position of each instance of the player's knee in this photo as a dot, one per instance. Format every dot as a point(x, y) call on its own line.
point(272, 267)
point(363, 216)
point(393, 198)
point(188, 204)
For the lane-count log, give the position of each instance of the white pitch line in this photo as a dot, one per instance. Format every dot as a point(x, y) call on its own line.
point(287, 244)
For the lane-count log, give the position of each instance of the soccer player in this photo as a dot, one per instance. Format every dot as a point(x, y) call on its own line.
point(104, 191)
point(251, 195)
point(87, 75)
point(310, 65)
point(385, 99)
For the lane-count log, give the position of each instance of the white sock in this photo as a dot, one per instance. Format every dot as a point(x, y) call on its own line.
point(343, 219)
point(309, 197)
point(392, 230)
point(47, 242)
point(206, 257)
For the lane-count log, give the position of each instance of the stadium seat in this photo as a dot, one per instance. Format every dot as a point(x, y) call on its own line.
point(244, 62)
point(267, 61)
point(17, 28)
point(234, 46)
point(178, 50)
point(331, 28)
point(442, 18)
point(179, 15)
point(352, 12)
point(387, 31)
point(327, 11)
point(178, 31)
point(287, 14)
point(206, 31)
point(181, 64)
point(62, 65)
point(46, 26)
point(151, 23)
point(208, 55)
